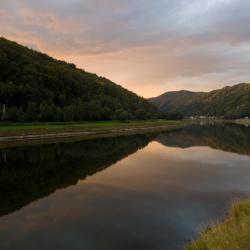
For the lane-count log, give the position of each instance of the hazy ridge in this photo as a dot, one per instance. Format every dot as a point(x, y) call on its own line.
point(230, 102)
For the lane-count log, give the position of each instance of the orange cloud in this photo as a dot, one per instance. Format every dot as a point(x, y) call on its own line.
point(147, 47)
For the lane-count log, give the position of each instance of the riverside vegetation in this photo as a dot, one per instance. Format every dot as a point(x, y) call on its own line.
point(33, 133)
point(232, 234)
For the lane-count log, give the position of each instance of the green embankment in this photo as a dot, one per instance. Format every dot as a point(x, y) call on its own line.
point(40, 128)
point(232, 234)
point(23, 134)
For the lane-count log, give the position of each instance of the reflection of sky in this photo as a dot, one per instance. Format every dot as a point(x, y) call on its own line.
point(205, 154)
point(157, 197)
point(192, 167)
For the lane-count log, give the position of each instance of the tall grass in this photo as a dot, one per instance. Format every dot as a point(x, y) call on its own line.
point(232, 234)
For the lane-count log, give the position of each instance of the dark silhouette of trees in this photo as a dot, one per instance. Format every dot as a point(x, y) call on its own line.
point(36, 87)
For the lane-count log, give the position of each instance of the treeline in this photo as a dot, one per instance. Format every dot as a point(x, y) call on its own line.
point(171, 116)
point(36, 87)
point(78, 111)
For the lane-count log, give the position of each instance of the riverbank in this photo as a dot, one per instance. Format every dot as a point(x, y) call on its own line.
point(233, 233)
point(245, 122)
point(16, 134)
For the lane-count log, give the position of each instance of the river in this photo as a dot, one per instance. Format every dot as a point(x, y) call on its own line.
point(155, 191)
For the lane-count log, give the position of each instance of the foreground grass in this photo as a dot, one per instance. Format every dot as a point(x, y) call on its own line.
point(41, 128)
point(233, 234)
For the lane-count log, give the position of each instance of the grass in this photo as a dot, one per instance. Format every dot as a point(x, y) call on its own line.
point(41, 128)
point(232, 234)
point(37, 133)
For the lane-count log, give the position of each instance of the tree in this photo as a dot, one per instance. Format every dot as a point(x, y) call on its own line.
point(31, 114)
point(49, 112)
point(13, 114)
point(123, 116)
point(69, 113)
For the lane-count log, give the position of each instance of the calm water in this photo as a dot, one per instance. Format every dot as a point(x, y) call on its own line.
point(146, 192)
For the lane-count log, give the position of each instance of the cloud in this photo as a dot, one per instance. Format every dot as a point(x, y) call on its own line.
point(147, 46)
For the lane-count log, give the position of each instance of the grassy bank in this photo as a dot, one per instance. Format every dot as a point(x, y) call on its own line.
point(40, 128)
point(232, 234)
point(19, 134)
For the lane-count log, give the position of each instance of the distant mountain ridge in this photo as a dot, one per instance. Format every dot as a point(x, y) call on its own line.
point(230, 102)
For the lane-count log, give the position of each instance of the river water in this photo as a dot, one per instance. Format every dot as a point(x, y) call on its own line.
point(141, 192)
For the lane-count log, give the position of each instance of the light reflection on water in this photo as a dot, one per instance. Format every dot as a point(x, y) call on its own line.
point(142, 192)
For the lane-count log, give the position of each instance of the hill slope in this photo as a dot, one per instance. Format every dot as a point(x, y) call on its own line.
point(231, 102)
point(34, 86)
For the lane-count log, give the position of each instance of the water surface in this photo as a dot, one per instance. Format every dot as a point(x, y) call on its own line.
point(148, 192)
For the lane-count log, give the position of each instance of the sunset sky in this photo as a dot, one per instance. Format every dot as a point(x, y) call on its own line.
point(147, 46)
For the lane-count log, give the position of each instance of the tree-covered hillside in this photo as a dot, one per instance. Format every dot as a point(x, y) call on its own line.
point(230, 102)
point(36, 87)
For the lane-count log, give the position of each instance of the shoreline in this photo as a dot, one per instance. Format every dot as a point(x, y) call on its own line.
point(244, 122)
point(53, 135)
point(232, 233)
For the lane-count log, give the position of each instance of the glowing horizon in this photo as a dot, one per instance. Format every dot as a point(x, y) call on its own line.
point(147, 47)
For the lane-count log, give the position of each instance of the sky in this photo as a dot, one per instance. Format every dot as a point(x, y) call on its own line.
point(149, 47)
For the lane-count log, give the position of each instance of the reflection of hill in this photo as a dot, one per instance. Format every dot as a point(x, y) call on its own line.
point(29, 173)
point(231, 138)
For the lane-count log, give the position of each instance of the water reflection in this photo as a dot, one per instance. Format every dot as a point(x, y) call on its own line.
point(228, 137)
point(155, 198)
point(29, 173)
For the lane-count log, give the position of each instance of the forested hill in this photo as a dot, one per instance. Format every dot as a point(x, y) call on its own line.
point(230, 102)
point(36, 87)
